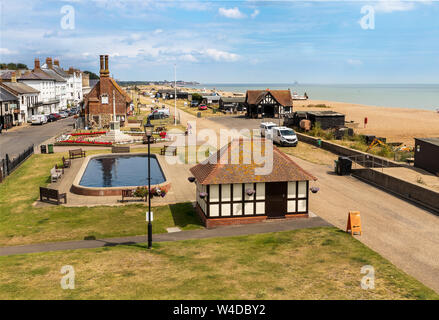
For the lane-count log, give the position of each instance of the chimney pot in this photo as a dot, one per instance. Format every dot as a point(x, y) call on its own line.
point(56, 62)
point(37, 63)
point(49, 63)
point(104, 66)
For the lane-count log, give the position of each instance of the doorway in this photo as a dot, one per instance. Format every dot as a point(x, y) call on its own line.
point(276, 199)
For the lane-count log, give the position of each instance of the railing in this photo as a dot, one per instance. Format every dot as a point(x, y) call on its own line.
point(8, 166)
point(369, 161)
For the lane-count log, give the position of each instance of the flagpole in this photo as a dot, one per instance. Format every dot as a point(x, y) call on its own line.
point(175, 94)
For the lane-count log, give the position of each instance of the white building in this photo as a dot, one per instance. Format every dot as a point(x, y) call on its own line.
point(47, 86)
point(73, 82)
point(60, 84)
point(27, 99)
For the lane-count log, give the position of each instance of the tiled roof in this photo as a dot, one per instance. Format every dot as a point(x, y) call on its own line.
point(54, 75)
point(283, 97)
point(5, 95)
point(18, 87)
point(233, 99)
point(123, 92)
point(234, 163)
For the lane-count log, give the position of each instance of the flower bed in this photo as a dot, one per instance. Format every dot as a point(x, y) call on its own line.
point(83, 143)
point(88, 133)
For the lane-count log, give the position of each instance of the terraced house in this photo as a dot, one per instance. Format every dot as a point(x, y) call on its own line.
point(27, 99)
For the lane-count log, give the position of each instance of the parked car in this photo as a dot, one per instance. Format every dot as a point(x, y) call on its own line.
point(284, 136)
point(202, 107)
point(265, 128)
point(39, 119)
point(56, 115)
point(51, 118)
point(63, 114)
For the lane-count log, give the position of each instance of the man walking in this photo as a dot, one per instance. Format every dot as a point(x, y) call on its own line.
point(1, 128)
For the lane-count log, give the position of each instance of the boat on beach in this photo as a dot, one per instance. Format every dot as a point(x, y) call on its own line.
point(296, 96)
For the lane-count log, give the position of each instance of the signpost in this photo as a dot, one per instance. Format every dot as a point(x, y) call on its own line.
point(354, 223)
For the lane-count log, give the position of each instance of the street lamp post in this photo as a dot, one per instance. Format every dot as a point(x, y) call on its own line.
point(148, 127)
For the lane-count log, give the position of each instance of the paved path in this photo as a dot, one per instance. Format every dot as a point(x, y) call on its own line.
point(227, 231)
point(14, 142)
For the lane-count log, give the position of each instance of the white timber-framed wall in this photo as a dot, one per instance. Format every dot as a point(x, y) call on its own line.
point(231, 200)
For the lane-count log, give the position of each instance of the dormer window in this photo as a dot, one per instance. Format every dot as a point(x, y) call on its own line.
point(104, 99)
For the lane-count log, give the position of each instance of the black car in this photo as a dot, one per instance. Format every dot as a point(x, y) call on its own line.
point(51, 118)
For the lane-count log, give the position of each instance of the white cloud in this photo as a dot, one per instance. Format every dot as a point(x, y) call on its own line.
point(354, 62)
point(7, 51)
point(219, 55)
point(255, 13)
point(232, 13)
point(388, 6)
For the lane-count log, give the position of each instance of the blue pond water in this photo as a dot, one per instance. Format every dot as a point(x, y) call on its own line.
point(121, 171)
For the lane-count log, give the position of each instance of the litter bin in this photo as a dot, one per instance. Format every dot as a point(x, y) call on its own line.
point(336, 166)
point(198, 114)
point(43, 148)
point(344, 166)
point(50, 148)
point(319, 143)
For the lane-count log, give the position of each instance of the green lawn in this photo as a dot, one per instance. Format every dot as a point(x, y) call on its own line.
point(22, 223)
point(319, 263)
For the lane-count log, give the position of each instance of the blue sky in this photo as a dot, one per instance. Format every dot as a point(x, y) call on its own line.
point(231, 41)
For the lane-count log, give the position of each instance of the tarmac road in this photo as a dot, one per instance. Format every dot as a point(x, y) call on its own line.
point(14, 142)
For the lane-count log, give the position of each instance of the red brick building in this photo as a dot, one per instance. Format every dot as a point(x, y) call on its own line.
point(98, 103)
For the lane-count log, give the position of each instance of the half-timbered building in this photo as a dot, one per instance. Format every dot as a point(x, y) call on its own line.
point(268, 103)
point(231, 190)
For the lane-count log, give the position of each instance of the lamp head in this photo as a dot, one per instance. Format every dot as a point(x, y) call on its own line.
point(148, 127)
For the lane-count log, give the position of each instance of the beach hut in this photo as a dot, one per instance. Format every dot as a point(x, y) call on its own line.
point(231, 190)
point(427, 154)
point(268, 103)
point(232, 103)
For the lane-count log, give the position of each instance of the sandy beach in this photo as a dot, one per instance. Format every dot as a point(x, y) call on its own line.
point(396, 124)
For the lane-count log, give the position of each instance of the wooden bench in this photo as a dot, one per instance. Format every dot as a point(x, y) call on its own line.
point(168, 150)
point(52, 194)
point(120, 149)
point(55, 174)
point(77, 153)
point(66, 163)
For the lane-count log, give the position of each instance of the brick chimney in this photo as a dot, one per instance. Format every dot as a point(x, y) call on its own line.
point(56, 62)
point(13, 77)
point(49, 63)
point(37, 64)
point(71, 70)
point(104, 66)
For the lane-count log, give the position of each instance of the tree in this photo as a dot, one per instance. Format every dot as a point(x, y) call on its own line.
point(12, 66)
point(197, 97)
point(92, 75)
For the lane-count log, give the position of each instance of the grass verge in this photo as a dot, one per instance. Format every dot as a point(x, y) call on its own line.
point(22, 223)
point(318, 263)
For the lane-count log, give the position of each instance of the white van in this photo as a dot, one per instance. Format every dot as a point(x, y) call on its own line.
point(284, 136)
point(39, 119)
point(265, 128)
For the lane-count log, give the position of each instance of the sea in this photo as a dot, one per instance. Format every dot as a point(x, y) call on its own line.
point(414, 96)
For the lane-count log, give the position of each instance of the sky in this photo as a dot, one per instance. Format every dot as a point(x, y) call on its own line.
point(322, 42)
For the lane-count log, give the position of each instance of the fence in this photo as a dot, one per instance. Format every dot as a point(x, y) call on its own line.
point(8, 166)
